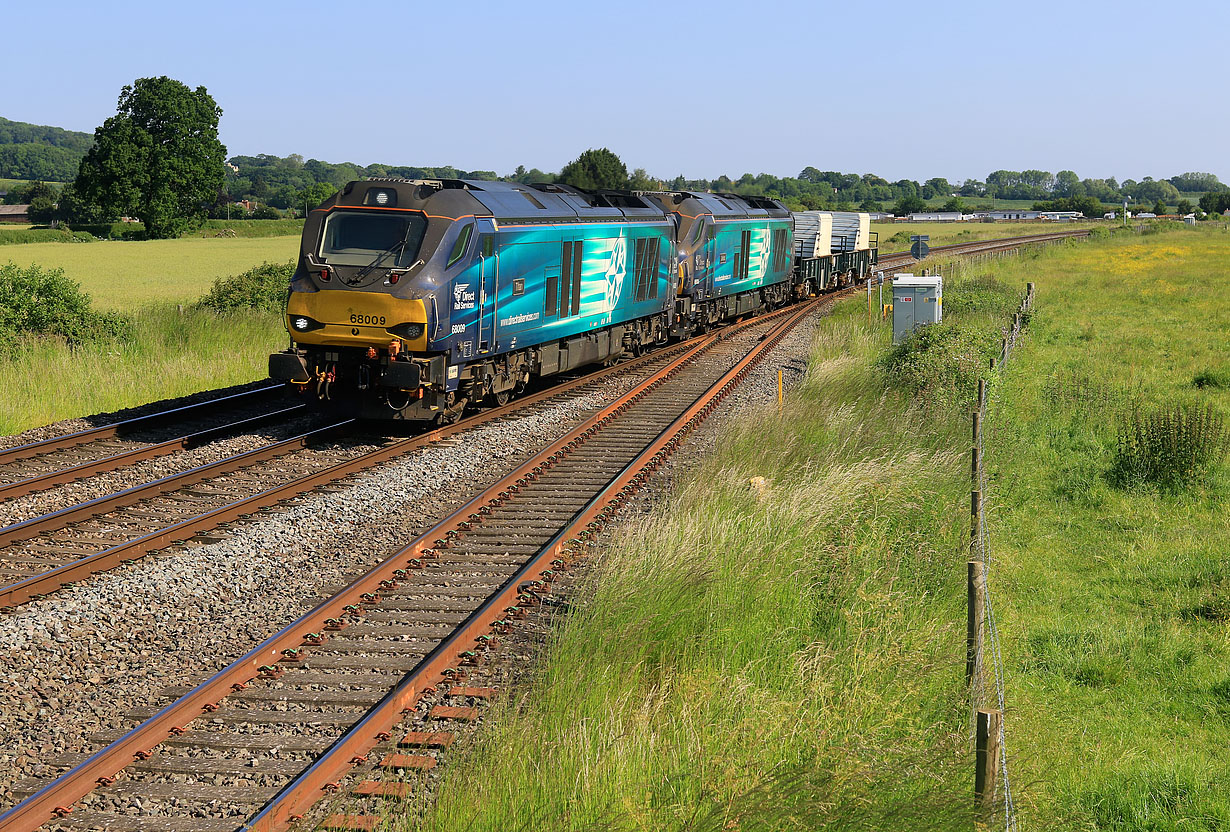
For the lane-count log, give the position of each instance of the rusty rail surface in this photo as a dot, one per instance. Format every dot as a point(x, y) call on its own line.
point(20, 488)
point(117, 429)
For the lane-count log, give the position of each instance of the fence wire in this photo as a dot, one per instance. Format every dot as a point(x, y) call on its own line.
point(988, 623)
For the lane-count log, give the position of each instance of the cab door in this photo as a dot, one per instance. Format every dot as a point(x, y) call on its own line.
point(488, 290)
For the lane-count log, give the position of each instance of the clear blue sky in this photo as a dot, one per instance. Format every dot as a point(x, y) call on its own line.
point(901, 89)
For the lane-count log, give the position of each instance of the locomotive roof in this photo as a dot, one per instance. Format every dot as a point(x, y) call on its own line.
point(515, 202)
point(538, 202)
point(720, 205)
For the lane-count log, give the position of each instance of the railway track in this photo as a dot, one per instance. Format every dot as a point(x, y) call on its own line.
point(37, 466)
point(904, 258)
point(262, 741)
point(44, 553)
point(314, 708)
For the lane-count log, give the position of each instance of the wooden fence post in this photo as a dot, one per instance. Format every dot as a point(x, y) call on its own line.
point(975, 526)
point(975, 594)
point(982, 395)
point(975, 456)
point(987, 760)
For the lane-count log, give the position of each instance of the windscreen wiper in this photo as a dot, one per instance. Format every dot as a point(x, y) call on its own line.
point(366, 270)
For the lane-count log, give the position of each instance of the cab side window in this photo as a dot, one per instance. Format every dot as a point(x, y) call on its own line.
point(459, 247)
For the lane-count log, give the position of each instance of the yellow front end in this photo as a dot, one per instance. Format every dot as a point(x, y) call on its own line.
point(355, 319)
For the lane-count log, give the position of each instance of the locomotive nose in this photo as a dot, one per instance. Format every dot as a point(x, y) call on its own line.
point(336, 318)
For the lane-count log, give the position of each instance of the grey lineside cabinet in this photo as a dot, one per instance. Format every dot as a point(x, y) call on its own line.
point(916, 301)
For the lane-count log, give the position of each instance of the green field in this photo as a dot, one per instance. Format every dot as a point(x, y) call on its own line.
point(895, 236)
point(8, 184)
point(1113, 598)
point(123, 276)
point(170, 352)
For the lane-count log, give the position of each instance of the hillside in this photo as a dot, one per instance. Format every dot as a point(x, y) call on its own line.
point(34, 151)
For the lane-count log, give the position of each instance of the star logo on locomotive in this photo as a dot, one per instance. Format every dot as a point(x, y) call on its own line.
point(615, 272)
point(462, 297)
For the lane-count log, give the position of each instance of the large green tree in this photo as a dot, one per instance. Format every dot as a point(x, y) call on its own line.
point(595, 169)
point(158, 158)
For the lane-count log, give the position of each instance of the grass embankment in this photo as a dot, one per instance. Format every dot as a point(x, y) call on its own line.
point(1114, 596)
point(791, 659)
point(167, 354)
point(123, 276)
point(60, 357)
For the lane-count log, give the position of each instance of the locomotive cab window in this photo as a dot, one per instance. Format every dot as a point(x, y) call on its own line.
point(459, 247)
point(357, 238)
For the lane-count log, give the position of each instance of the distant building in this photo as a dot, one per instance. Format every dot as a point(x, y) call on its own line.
point(936, 216)
point(1012, 214)
point(14, 213)
point(880, 215)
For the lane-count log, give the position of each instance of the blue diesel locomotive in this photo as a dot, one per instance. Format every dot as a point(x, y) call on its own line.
point(414, 299)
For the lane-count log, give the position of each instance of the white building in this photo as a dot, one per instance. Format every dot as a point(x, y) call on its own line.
point(936, 216)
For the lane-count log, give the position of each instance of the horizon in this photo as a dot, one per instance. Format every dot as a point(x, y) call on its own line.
point(626, 96)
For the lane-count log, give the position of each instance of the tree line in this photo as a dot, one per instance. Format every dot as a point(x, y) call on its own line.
point(159, 159)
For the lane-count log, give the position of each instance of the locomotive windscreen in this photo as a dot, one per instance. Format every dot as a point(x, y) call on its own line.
point(356, 238)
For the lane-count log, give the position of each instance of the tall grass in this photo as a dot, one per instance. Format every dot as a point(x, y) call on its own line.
point(776, 658)
point(1173, 447)
point(940, 364)
point(168, 354)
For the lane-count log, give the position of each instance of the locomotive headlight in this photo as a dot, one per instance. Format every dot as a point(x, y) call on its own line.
point(302, 323)
point(383, 197)
point(409, 331)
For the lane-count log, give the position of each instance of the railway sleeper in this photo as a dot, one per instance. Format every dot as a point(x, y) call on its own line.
point(204, 738)
point(114, 822)
point(265, 716)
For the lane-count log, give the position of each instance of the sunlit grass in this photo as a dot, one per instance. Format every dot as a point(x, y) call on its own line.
point(170, 354)
point(1114, 602)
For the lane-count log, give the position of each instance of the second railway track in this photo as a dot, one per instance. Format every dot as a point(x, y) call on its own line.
point(37, 466)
